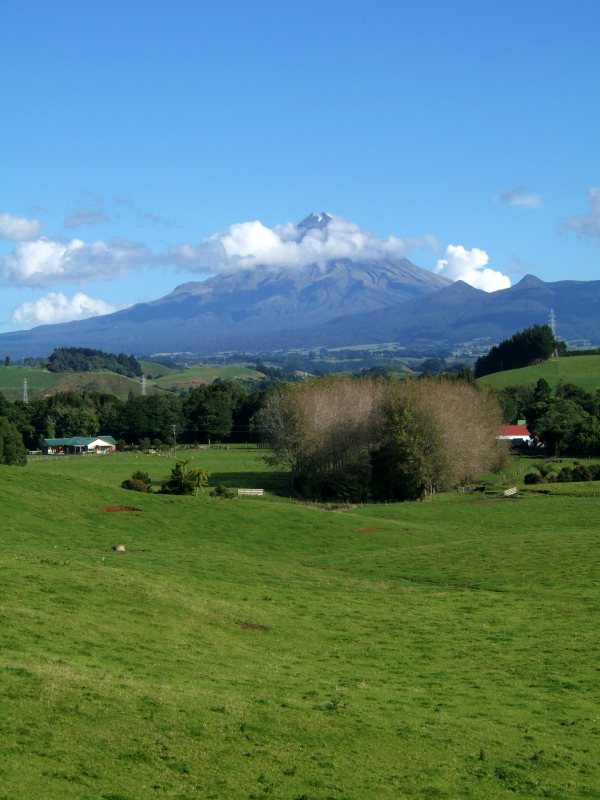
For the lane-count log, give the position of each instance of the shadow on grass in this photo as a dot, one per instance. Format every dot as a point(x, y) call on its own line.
point(270, 481)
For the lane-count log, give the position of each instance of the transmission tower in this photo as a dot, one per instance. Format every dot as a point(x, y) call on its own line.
point(25, 395)
point(143, 385)
point(552, 322)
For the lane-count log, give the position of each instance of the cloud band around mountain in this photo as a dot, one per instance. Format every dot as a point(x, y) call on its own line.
point(318, 239)
point(470, 266)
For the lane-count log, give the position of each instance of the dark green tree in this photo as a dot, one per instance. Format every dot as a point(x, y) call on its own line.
point(563, 427)
point(570, 391)
point(399, 469)
point(12, 450)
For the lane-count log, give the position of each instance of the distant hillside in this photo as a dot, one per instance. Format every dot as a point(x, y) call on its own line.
point(154, 369)
point(583, 371)
point(197, 376)
point(40, 382)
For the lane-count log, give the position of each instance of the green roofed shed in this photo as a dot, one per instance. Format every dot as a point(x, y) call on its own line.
point(79, 445)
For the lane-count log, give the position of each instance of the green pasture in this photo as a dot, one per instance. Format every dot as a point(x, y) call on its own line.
point(268, 648)
point(40, 382)
point(154, 368)
point(583, 371)
point(196, 376)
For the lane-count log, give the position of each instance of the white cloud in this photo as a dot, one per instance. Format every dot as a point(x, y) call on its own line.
point(587, 225)
point(19, 229)
point(520, 196)
point(470, 266)
point(56, 307)
point(47, 262)
point(318, 239)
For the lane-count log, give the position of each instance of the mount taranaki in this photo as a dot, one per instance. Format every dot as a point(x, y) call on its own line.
point(343, 302)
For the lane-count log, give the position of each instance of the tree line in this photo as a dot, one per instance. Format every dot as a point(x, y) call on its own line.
point(218, 412)
point(529, 346)
point(85, 359)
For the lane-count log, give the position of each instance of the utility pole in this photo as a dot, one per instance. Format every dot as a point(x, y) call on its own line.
point(552, 324)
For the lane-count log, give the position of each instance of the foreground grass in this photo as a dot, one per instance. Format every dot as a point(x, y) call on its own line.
point(266, 648)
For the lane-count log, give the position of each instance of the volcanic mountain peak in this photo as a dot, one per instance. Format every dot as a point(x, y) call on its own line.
point(315, 220)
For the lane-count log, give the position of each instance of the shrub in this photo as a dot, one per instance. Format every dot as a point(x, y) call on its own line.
point(223, 491)
point(581, 472)
point(595, 472)
point(134, 485)
point(533, 477)
point(144, 477)
point(565, 475)
point(139, 482)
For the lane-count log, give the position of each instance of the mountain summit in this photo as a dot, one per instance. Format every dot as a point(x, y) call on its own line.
point(314, 220)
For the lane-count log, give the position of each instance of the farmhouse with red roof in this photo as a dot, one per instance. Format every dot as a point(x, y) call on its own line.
point(515, 434)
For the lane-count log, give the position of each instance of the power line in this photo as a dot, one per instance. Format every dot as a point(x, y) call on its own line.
point(552, 322)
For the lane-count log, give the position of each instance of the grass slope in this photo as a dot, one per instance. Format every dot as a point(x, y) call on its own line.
point(263, 648)
point(154, 368)
point(40, 382)
point(196, 376)
point(584, 371)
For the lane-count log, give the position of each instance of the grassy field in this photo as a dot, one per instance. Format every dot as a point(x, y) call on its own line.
point(196, 376)
point(42, 382)
point(38, 381)
point(266, 648)
point(581, 370)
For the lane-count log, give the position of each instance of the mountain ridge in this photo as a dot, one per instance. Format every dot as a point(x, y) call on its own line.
point(341, 302)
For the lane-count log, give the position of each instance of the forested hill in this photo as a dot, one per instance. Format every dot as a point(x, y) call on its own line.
point(84, 359)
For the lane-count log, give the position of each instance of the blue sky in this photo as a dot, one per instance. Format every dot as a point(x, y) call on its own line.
point(137, 138)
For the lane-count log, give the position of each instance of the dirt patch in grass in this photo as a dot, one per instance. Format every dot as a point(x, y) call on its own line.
point(120, 508)
point(368, 529)
point(253, 626)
